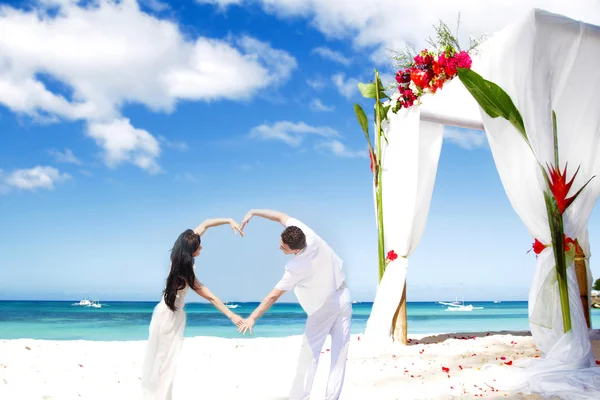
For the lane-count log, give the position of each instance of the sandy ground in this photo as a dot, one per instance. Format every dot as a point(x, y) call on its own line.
point(431, 367)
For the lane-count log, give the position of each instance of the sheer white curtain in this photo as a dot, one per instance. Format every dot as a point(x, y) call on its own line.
point(409, 165)
point(547, 62)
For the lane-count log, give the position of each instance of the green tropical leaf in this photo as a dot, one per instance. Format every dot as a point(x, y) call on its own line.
point(364, 123)
point(362, 118)
point(382, 111)
point(368, 90)
point(492, 99)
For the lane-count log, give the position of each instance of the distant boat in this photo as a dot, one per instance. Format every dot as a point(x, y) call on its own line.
point(497, 301)
point(95, 304)
point(458, 306)
point(356, 302)
point(84, 302)
point(230, 305)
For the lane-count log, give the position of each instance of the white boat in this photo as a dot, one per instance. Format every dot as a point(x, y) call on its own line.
point(95, 304)
point(458, 306)
point(230, 305)
point(84, 302)
point(497, 301)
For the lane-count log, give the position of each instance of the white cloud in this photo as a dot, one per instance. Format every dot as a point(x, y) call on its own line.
point(339, 149)
point(107, 54)
point(317, 105)
point(124, 143)
point(332, 55)
point(180, 146)
point(346, 87)
point(291, 133)
point(317, 83)
point(34, 178)
point(466, 138)
point(377, 25)
point(65, 157)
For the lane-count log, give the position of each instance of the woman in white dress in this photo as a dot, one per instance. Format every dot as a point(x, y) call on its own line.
point(168, 318)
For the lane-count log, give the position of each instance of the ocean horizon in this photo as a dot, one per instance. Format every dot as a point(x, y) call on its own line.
point(123, 321)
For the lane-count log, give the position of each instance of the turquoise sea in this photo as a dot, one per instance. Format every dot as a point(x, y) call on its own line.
point(60, 320)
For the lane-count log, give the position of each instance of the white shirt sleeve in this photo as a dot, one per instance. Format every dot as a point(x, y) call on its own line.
point(289, 280)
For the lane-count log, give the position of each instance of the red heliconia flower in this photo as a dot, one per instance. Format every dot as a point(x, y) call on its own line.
point(538, 246)
point(391, 255)
point(560, 187)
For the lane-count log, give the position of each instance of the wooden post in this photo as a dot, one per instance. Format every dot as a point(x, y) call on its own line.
point(399, 323)
point(582, 282)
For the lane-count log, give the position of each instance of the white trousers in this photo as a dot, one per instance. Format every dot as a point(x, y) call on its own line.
point(334, 319)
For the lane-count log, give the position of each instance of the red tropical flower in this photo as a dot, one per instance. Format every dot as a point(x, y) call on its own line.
point(391, 255)
point(538, 246)
point(560, 187)
point(419, 77)
point(568, 241)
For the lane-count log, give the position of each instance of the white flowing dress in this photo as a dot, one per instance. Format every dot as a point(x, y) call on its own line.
point(162, 352)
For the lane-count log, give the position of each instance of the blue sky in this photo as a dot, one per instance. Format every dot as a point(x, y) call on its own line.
point(122, 125)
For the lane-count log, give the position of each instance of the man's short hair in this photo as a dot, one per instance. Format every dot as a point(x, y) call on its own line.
point(294, 238)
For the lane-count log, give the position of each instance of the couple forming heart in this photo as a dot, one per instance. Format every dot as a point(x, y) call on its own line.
point(314, 272)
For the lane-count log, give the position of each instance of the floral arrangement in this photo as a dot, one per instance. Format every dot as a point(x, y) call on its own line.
point(427, 71)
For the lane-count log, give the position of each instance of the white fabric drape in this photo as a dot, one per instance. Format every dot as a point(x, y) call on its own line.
point(547, 62)
point(409, 165)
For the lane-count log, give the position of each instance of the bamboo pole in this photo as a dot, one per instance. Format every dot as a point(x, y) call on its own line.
point(582, 282)
point(400, 323)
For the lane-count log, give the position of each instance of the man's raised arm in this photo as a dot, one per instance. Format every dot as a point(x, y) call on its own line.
point(273, 215)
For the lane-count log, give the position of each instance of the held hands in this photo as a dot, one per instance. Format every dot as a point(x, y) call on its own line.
point(237, 320)
point(236, 227)
point(246, 219)
point(246, 325)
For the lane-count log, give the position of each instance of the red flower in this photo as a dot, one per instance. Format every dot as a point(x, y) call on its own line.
point(463, 60)
point(508, 362)
point(436, 68)
point(538, 246)
point(568, 241)
point(403, 76)
point(560, 187)
point(445, 369)
point(419, 77)
point(391, 255)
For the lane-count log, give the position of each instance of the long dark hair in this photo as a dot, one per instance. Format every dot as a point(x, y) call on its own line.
point(182, 266)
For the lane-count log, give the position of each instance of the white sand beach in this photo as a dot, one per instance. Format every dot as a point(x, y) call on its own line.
point(431, 367)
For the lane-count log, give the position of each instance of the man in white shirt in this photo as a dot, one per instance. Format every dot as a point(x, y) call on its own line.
point(315, 273)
